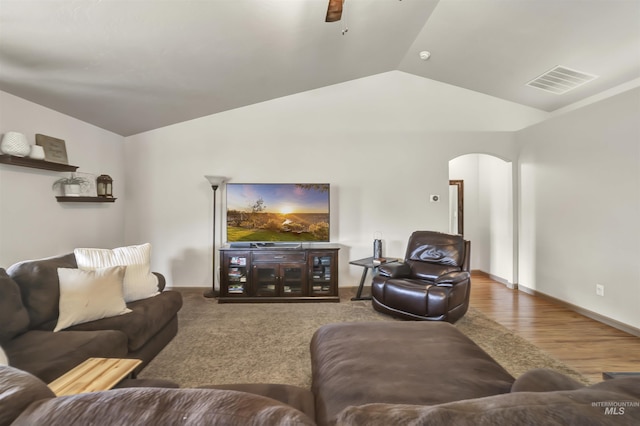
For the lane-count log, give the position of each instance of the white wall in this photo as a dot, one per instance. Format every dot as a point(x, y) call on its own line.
point(488, 212)
point(496, 212)
point(32, 223)
point(383, 143)
point(579, 207)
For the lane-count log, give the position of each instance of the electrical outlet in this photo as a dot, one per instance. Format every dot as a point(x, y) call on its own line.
point(434, 198)
point(599, 290)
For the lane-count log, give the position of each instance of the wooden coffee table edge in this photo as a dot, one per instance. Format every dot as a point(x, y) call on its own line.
point(93, 375)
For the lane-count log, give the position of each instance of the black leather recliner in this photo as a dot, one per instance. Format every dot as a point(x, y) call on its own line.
point(432, 284)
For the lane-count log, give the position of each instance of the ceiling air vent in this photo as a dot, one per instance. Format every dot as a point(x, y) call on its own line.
point(560, 80)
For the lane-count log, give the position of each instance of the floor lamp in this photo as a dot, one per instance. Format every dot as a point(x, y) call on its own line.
point(215, 182)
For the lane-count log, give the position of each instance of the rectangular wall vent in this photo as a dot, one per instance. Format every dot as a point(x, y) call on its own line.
point(560, 80)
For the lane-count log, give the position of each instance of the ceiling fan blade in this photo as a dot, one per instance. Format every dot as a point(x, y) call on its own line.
point(334, 11)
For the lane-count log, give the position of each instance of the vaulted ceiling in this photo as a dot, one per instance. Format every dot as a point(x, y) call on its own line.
point(132, 66)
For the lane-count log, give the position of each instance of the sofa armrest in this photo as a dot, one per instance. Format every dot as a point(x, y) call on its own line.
point(394, 270)
point(162, 406)
point(544, 380)
point(299, 398)
point(452, 278)
point(18, 389)
point(162, 282)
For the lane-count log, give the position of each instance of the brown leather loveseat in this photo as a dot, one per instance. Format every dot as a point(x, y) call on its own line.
point(29, 310)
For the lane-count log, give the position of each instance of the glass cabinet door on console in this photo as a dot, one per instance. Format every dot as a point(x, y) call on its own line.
point(265, 280)
point(235, 270)
point(323, 269)
point(293, 280)
point(284, 280)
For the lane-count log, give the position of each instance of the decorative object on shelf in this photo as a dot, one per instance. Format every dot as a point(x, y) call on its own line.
point(377, 245)
point(15, 143)
point(72, 186)
point(377, 249)
point(215, 182)
point(55, 150)
point(104, 186)
point(91, 189)
point(37, 152)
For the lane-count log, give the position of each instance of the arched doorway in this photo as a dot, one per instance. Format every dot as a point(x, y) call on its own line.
point(488, 213)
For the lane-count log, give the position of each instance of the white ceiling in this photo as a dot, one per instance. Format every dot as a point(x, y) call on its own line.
point(132, 66)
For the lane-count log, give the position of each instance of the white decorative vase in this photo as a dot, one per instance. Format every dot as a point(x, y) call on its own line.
point(14, 143)
point(37, 152)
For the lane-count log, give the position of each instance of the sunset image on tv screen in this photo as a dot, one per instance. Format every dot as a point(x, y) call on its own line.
point(277, 212)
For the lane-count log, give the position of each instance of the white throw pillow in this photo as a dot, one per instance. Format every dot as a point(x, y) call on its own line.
point(90, 295)
point(139, 282)
point(3, 357)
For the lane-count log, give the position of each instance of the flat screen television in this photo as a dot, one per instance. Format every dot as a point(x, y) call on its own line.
point(277, 212)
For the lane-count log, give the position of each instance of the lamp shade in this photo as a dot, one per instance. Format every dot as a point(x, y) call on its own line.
point(216, 180)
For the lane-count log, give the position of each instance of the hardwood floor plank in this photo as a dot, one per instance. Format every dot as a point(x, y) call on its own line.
point(586, 345)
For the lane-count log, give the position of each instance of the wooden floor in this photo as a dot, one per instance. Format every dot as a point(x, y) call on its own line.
point(586, 345)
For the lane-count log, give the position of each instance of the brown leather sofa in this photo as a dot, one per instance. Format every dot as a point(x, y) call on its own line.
point(29, 294)
point(433, 283)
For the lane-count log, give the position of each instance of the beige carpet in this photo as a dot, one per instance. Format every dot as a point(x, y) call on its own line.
point(269, 343)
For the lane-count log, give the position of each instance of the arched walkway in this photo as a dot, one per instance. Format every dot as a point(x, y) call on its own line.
point(488, 213)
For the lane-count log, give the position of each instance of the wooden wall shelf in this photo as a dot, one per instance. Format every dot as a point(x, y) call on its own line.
point(36, 164)
point(62, 199)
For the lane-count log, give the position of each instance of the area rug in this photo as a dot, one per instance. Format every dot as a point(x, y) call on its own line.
point(269, 343)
